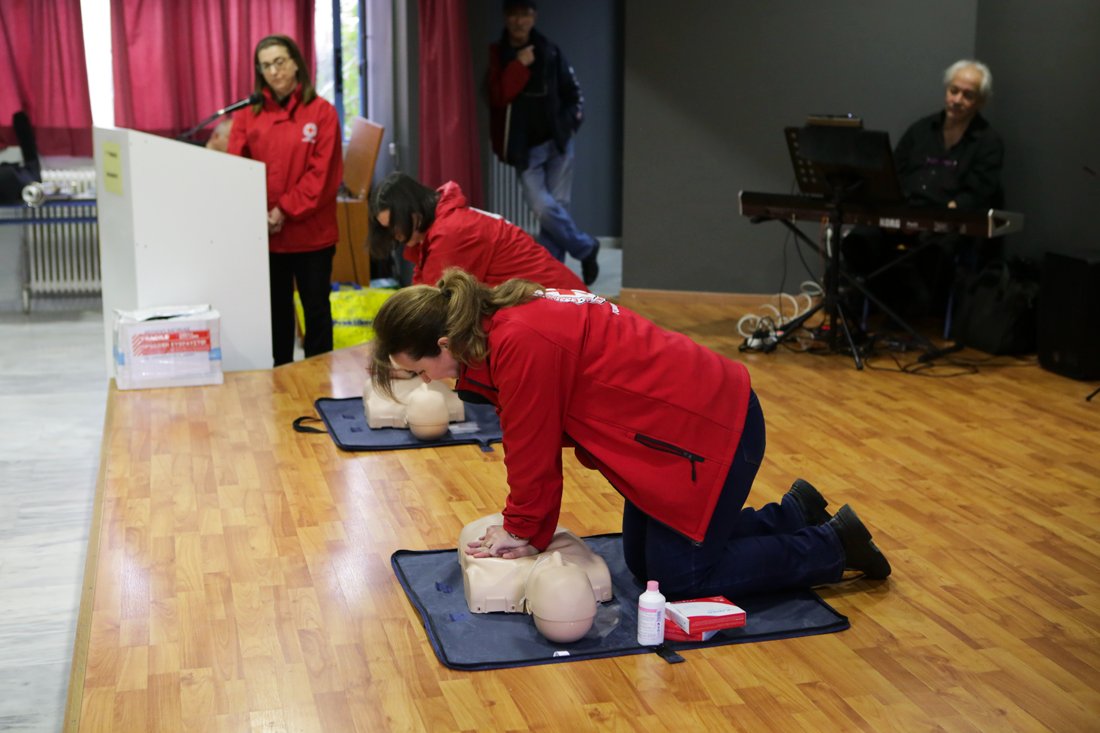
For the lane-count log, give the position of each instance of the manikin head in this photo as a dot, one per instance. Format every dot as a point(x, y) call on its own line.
point(426, 414)
point(560, 599)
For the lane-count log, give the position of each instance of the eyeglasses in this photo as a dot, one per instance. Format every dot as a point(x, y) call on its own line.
point(276, 64)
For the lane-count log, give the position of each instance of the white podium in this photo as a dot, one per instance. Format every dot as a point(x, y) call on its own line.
point(183, 225)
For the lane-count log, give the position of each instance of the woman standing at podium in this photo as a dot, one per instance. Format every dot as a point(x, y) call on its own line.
point(296, 134)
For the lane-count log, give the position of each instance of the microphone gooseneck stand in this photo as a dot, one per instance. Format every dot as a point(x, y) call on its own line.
point(188, 136)
point(254, 98)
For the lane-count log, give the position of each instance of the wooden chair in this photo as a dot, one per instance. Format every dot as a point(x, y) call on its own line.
point(352, 260)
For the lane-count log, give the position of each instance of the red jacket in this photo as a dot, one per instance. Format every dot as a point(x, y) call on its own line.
point(656, 413)
point(301, 147)
point(487, 246)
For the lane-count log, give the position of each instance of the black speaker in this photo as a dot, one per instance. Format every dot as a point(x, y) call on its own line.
point(1069, 314)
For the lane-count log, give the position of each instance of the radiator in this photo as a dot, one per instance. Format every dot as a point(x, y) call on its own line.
point(62, 257)
point(506, 197)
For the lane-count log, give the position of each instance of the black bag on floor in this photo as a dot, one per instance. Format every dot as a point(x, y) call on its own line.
point(12, 180)
point(14, 177)
point(998, 308)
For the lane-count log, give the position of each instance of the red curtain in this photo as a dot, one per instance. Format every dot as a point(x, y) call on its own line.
point(450, 147)
point(42, 53)
point(175, 63)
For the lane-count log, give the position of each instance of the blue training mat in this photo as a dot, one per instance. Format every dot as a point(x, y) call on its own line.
point(475, 641)
point(347, 424)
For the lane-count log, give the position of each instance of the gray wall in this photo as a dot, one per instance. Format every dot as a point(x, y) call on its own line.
point(589, 34)
point(1045, 59)
point(708, 89)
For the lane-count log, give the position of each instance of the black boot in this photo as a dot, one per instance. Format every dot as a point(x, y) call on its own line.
point(810, 501)
point(590, 265)
point(860, 553)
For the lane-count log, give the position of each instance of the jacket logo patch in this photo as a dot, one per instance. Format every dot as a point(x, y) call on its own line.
point(578, 297)
point(309, 132)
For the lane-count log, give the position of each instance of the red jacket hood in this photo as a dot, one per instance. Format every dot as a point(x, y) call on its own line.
point(450, 198)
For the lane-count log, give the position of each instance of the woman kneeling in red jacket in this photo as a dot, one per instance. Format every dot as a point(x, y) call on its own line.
point(440, 229)
point(676, 428)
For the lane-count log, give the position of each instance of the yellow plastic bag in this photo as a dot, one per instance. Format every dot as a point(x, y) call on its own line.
point(353, 311)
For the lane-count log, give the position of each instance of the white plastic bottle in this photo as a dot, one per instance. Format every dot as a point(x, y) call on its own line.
point(651, 616)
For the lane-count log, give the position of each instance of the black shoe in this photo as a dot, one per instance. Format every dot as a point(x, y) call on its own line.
point(810, 501)
point(590, 266)
point(860, 553)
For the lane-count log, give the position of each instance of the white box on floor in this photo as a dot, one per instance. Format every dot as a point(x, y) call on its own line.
point(701, 618)
point(171, 346)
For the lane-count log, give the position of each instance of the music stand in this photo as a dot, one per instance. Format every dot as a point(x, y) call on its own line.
point(810, 177)
point(836, 159)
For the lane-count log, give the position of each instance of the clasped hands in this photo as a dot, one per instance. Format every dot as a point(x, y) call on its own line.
point(275, 219)
point(496, 542)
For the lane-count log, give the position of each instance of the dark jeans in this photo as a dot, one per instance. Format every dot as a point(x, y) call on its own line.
point(745, 550)
point(312, 271)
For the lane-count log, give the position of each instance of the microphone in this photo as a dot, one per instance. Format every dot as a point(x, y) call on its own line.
point(254, 98)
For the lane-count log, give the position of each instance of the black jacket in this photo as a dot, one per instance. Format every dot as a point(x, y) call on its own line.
point(969, 173)
point(549, 85)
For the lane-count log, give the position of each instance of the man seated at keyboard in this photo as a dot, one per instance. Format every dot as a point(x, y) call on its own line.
point(952, 159)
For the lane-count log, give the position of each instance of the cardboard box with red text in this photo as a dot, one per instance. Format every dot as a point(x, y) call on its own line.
point(173, 346)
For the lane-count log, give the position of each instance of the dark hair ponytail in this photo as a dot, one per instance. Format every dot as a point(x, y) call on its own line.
point(412, 208)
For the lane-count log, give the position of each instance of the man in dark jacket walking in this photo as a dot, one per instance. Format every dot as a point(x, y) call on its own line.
point(536, 106)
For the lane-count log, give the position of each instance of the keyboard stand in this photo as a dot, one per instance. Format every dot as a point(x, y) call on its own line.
point(834, 310)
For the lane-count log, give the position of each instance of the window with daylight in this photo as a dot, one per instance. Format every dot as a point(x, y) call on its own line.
point(341, 35)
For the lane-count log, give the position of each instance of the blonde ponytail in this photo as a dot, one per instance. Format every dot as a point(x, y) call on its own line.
point(415, 318)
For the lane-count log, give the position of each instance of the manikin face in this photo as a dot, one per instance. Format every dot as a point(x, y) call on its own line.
point(519, 22)
point(429, 368)
point(279, 70)
point(417, 236)
point(963, 96)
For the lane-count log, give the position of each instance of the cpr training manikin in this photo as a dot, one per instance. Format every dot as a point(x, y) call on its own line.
point(560, 587)
point(425, 409)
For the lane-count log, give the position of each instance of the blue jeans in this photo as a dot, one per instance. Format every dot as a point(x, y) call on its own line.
point(745, 550)
point(548, 187)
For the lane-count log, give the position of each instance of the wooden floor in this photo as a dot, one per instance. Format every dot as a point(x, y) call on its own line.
point(239, 573)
